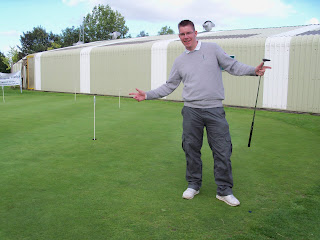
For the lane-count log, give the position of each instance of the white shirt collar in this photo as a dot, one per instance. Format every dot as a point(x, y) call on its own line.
point(196, 49)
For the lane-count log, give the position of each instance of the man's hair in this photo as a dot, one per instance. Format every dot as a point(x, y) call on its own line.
point(185, 23)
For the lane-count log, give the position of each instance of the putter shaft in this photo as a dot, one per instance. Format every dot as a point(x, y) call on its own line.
point(255, 106)
point(254, 113)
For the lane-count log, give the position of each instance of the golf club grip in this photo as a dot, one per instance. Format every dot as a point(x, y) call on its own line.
point(250, 134)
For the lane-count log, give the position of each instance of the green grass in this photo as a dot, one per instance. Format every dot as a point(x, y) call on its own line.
point(57, 183)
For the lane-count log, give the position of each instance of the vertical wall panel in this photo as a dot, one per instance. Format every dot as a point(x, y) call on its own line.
point(30, 72)
point(17, 66)
point(304, 75)
point(174, 50)
point(60, 71)
point(37, 72)
point(85, 70)
point(159, 63)
point(85, 64)
point(121, 68)
point(276, 80)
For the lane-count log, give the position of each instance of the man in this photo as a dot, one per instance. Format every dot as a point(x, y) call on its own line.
point(199, 68)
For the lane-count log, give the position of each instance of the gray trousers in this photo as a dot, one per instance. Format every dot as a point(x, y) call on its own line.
point(194, 121)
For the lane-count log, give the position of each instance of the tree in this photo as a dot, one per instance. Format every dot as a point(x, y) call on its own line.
point(35, 41)
point(38, 40)
point(165, 30)
point(101, 22)
point(3, 65)
point(143, 34)
point(54, 45)
point(55, 41)
point(69, 36)
point(13, 56)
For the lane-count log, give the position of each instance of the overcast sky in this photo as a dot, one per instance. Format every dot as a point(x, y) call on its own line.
point(18, 16)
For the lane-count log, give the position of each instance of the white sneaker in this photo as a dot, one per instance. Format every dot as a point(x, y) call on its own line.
point(189, 193)
point(230, 200)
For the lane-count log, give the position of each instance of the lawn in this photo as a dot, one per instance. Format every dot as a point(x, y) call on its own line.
point(58, 183)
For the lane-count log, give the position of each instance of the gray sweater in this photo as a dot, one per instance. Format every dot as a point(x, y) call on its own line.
point(201, 75)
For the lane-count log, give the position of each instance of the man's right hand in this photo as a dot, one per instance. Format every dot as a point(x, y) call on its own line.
point(139, 96)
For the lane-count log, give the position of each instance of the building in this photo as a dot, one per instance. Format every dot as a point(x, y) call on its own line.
point(119, 66)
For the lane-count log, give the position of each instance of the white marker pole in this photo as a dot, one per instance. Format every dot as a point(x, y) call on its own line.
point(119, 97)
point(75, 90)
point(3, 94)
point(94, 118)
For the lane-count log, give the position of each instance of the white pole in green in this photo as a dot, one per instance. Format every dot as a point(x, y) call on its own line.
point(75, 90)
point(119, 97)
point(3, 94)
point(94, 118)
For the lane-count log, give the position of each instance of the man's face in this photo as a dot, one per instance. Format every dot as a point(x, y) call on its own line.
point(188, 37)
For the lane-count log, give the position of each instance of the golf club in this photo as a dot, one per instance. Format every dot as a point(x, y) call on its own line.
point(255, 107)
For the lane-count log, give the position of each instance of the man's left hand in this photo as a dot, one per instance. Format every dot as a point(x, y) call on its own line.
point(261, 69)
